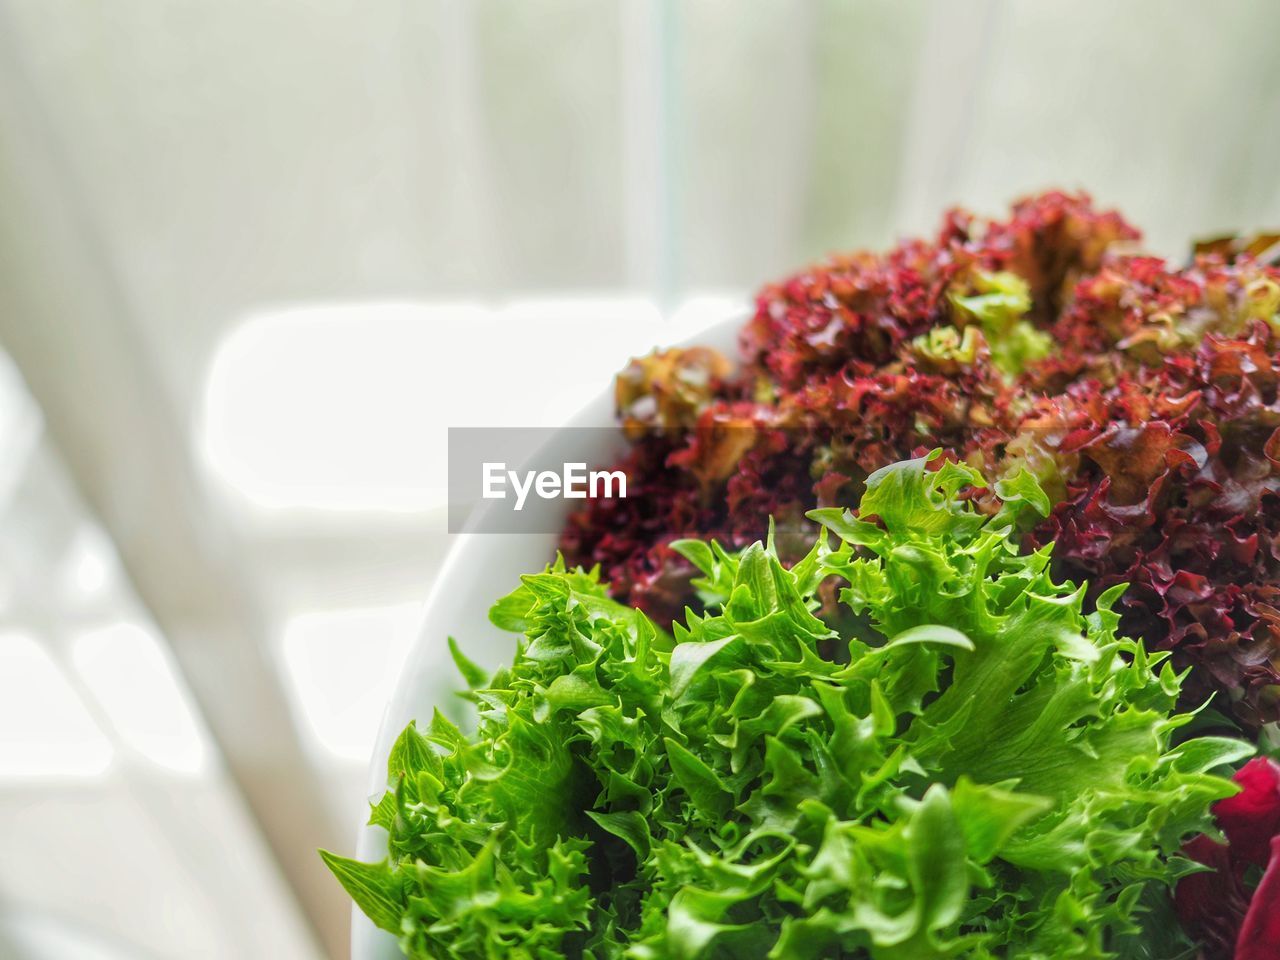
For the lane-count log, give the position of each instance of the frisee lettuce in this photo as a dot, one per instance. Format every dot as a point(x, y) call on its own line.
point(983, 771)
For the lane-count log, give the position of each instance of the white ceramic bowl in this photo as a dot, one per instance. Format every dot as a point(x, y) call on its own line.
point(458, 607)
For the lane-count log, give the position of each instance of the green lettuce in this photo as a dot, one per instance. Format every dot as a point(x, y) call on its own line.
point(967, 765)
point(1000, 303)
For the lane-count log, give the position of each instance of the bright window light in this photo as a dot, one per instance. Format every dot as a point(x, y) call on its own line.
point(346, 407)
point(89, 565)
point(341, 667)
point(45, 730)
point(325, 407)
point(125, 667)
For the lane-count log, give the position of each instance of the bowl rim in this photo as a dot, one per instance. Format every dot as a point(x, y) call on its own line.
point(367, 941)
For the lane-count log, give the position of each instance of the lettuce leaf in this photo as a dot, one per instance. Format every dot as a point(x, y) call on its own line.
point(981, 770)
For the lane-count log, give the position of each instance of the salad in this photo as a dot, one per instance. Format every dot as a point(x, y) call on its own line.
point(976, 767)
point(946, 624)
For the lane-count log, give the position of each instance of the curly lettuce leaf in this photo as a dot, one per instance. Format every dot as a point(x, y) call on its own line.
point(1000, 303)
point(982, 770)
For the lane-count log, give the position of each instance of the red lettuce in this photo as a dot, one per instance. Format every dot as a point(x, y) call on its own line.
point(1143, 397)
point(1232, 915)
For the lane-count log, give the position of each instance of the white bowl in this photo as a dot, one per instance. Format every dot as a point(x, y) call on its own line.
point(458, 606)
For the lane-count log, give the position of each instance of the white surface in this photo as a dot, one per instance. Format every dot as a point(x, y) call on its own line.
point(459, 607)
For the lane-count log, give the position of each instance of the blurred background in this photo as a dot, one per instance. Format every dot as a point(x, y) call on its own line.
point(257, 255)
